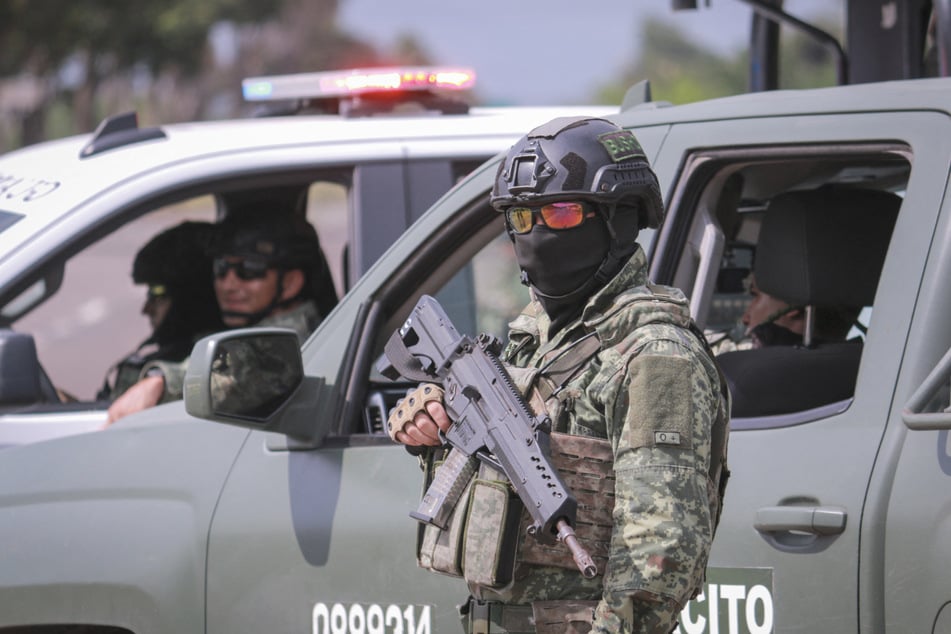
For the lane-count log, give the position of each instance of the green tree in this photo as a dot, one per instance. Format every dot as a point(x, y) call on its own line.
point(71, 63)
point(101, 39)
point(680, 71)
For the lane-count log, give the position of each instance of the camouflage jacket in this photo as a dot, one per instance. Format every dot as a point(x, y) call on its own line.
point(653, 391)
point(128, 371)
point(303, 319)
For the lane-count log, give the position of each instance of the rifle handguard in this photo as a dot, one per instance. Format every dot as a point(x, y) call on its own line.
point(407, 408)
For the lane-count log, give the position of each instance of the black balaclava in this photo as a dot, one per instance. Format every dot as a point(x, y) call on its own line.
point(566, 267)
point(772, 334)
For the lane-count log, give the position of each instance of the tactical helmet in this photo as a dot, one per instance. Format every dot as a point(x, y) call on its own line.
point(174, 257)
point(286, 241)
point(179, 259)
point(579, 157)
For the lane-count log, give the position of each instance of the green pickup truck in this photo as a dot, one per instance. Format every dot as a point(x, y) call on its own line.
point(837, 515)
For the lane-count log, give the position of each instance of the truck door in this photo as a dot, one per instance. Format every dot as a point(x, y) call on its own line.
point(319, 539)
point(908, 524)
point(792, 548)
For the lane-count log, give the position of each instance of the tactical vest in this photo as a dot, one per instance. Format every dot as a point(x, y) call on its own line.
point(485, 541)
point(126, 374)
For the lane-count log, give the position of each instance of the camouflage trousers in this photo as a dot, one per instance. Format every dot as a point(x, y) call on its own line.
point(542, 617)
point(558, 617)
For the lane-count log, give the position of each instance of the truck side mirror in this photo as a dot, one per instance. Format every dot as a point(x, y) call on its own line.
point(254, 378)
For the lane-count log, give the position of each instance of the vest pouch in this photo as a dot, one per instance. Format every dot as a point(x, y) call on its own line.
point(491, 533)
point(440, 550)
point(586, 466)
point(563, 617)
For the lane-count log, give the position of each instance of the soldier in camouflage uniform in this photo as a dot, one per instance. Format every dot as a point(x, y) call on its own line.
point(269, 271)
point(181, 305)
point(645, 403)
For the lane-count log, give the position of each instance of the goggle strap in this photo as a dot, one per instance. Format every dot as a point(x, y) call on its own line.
point(608, 210)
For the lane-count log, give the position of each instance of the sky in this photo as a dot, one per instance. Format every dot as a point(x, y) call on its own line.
point(537, 52)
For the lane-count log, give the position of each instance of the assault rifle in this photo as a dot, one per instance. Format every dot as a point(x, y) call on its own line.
point(490, 422)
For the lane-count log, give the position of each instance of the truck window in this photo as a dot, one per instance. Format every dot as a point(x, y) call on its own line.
point(476, 281)
point(486, 294)
point(95, 316)
point(327, 211)
point(781, 256)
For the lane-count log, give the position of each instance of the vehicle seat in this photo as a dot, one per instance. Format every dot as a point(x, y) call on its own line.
point(22, 380)
point(820, 247)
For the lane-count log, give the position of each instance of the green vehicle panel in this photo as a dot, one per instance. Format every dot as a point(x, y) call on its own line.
point(836, 515)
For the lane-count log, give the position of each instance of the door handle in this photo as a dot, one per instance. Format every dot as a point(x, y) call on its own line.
point(816, 520)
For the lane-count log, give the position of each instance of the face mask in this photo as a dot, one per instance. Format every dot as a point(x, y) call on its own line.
point(560, 265)
point(771, 334)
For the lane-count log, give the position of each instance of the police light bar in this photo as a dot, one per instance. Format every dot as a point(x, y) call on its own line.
point(350, 83)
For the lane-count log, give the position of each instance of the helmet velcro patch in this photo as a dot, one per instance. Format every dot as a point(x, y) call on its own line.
point(265, 247)
point(577, 171)
point(621, 145)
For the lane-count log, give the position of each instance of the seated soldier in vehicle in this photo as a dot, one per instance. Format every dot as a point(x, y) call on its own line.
point(771, 321)
point(180, 304)
point(269, 271)
point(819, 254)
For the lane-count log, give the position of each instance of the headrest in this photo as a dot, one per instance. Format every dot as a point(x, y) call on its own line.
point(825, 246)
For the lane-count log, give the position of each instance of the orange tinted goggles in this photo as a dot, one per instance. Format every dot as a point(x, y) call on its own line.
point(558, 215)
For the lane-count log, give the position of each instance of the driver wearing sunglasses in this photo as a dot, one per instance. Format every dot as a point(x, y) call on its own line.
point(249, 289)
point(269, 270)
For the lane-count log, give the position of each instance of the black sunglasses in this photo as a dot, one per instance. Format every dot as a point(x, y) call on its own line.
point(245, 268)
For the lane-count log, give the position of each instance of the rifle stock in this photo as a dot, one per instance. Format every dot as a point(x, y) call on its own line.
point(490, 421)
